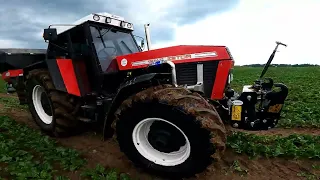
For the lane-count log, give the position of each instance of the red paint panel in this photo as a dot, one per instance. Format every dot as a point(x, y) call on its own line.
point(11, 73)
point(80, 65)
point(177, 54)
point(221, 79)
point(68, 75)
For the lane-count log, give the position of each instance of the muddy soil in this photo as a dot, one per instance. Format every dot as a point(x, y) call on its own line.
point(277, 131)
point(108, 154)
point(13, 95)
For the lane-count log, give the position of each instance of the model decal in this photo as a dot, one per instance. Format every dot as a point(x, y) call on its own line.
point(174, 58)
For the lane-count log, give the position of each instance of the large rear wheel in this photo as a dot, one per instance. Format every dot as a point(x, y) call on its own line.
point(170, 131)
point(54, 111)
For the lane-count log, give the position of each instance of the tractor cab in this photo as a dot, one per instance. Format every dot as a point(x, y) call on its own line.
point(91, 43)
point(102, 36)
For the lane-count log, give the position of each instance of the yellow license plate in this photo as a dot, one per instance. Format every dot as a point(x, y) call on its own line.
point(236, 113)
point(275, 108)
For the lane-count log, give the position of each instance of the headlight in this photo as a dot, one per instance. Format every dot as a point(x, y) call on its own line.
point(230, 77)
point(108, 20)
point(123, 24)
point(96, 17)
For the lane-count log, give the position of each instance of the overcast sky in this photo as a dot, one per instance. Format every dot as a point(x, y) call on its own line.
point(248, 27)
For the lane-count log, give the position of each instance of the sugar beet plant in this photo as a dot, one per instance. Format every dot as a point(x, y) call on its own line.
point(25, 153)
point(292, 146)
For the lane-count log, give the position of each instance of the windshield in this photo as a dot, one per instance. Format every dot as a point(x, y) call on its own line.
point(110, 42)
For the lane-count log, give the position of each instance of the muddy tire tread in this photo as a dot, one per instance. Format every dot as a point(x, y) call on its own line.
point(188, 102)
point(64, 105)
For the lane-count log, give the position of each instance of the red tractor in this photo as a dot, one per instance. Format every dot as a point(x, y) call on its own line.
point(166, 107)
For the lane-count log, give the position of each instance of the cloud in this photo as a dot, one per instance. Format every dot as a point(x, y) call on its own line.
point(9, 43)
point(22, 22)
point(251, 29)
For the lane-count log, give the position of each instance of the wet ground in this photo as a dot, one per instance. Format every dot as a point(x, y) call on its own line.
point(107, 153)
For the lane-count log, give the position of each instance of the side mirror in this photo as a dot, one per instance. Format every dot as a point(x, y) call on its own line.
point(142, 44)
point(50, 34)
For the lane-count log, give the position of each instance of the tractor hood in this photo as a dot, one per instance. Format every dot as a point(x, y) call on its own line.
point(176, 54)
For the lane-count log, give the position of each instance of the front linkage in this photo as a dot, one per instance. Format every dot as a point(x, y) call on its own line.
point(258, 107)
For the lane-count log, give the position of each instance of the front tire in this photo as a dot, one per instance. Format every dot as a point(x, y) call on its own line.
point(170, 131)
point(53, 111)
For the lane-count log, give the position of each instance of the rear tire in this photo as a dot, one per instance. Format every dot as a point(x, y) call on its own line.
point(197, 133)
point(54, 111)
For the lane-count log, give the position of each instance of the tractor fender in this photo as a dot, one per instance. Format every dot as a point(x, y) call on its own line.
point(37, 65)
point(21, 79)
point(27, 69)
point(129, 88)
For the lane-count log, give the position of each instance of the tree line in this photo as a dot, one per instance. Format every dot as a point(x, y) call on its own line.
point(281, 65)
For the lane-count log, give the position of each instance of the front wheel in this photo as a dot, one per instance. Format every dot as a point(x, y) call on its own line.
point(162, 142)
point(170, 131)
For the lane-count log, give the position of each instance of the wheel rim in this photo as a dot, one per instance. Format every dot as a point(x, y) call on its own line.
point(145, 138)
point(41, 104)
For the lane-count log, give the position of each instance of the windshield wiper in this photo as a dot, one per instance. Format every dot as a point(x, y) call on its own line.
point(100, 37)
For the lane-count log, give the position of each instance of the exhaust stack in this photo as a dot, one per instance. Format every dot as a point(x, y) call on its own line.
point(147, 32)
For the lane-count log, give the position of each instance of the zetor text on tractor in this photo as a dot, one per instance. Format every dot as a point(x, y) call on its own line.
point(167, 106)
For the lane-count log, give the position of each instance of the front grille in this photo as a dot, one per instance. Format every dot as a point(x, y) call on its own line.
point(187, 74)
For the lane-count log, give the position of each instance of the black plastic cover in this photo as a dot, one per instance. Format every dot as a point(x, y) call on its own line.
point(20, 58)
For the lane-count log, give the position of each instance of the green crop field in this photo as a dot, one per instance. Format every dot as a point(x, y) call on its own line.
point(2, 85)
point(26, 154)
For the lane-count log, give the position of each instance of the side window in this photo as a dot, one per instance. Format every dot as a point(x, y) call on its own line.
point(79, 45)
point(58, 48)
